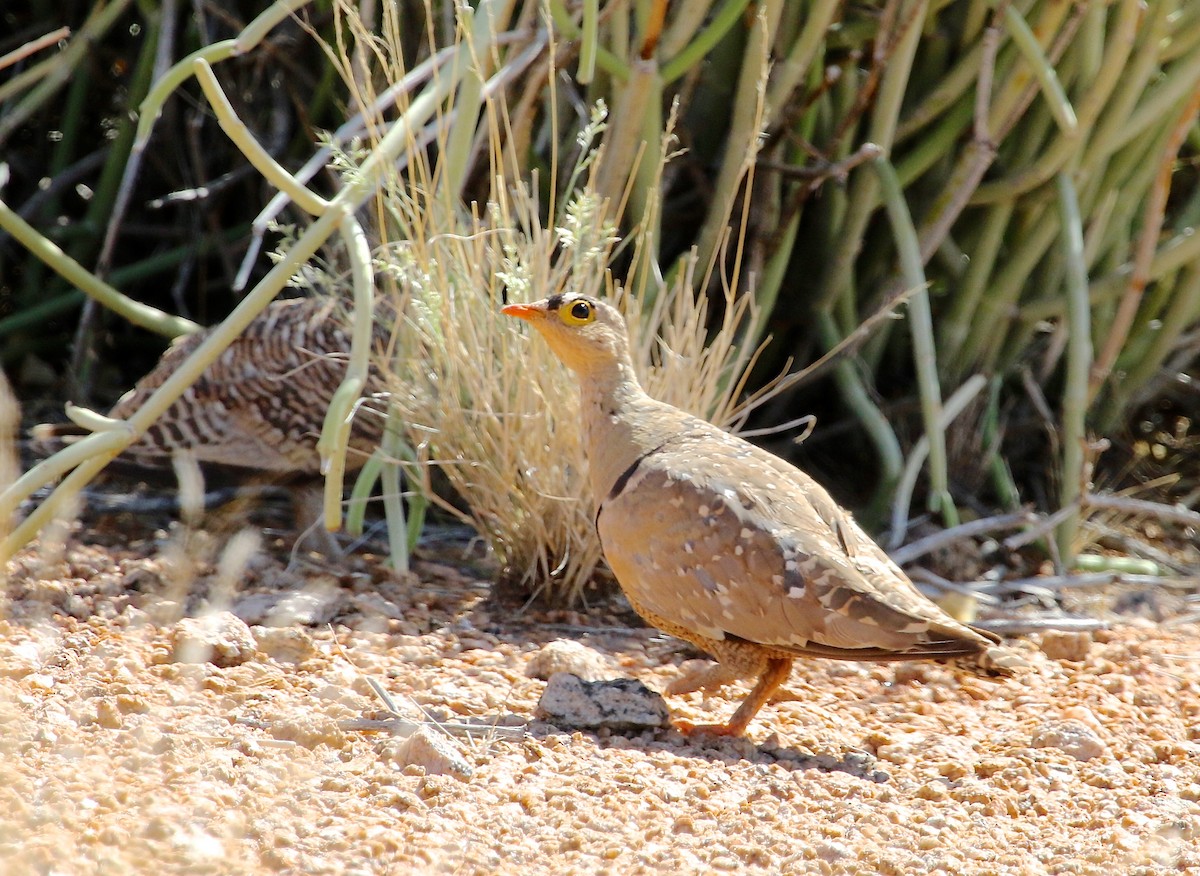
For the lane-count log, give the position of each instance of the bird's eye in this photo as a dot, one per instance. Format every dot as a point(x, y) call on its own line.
point(578, 313)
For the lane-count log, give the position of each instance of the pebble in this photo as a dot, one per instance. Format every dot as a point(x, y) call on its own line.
point(222, 639)
point(1071, 737)
point(568, 655)
point(616, 704)
point(284, 644)
point(1062, 645)
point(434, 752)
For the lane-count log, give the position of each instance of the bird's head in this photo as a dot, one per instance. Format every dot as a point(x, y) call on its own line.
point(587, 334)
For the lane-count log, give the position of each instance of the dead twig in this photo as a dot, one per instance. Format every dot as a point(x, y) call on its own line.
point(932, 579)
point(1058, 583)
point(947, 537)
point(1023, 626)
point(1174, 513)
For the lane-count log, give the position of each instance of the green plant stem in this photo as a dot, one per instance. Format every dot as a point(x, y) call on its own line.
point(742, 141)
point(864, 191)
point(237, 131)
point(1067, 146)
point(606, 60)
point(788, 73)
point(1182, 311)
point(589, 39)
point(1178, 252)
point(38, 314)
point(74, 273)
point(956, 326)
point(920, 319)
point(955, 405)
point(695, 51)
point(854, 394)
point(1079, 363)
point(1043, 70)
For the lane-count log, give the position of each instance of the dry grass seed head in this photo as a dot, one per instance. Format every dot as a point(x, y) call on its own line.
point(491, 407)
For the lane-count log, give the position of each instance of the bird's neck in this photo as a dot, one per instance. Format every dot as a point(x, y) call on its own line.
point(618, 424)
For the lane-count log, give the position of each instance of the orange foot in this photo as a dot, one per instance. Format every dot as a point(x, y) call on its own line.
point(687, 728)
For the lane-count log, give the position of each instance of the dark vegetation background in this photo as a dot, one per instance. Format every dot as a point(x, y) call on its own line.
point(181, 237)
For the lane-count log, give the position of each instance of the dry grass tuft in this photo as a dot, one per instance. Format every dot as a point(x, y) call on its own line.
point(496, 413)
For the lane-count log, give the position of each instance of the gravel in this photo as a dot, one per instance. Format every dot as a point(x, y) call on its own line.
point(146, 723)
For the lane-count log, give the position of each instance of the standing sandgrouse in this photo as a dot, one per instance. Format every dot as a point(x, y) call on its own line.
point(722, 544)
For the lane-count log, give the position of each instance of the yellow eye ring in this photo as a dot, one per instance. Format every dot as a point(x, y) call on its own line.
point(579, 313)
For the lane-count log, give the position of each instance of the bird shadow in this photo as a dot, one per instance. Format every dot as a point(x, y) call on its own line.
point(727, 750)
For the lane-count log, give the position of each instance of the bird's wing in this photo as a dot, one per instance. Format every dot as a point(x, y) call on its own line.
point(727, 540)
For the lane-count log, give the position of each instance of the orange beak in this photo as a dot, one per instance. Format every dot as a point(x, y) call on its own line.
point(523, 311)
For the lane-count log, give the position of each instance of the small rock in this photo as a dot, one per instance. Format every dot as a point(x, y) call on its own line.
point(618, 704)
point(284, 644)
point(1063, 645)
point(221, 639)
point(567, 655)
point(1072, 737)
point(312, 606)
point(435, 752)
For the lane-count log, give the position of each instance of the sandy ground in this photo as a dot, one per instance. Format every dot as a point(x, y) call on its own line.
point(135, 738)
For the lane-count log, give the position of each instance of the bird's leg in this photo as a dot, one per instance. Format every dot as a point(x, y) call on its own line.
point(776, 673)
point(711, 677)
point(308, 502)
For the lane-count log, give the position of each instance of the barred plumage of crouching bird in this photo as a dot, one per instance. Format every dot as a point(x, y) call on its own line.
point(261, 404)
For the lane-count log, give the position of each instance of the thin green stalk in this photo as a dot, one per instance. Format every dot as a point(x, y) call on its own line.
point(1133, 83)
point(998, 471)
point(1179, 83)
point(955, 405)
point(934, 145)
point(251, 36)
point(1094, 102)
point(742, 140)
point(589, 39)
point(1181, 313)
point(998, 308)
point(956, 326)
point(37, 315)
point(695, 51)
point(1043, 70)
point(1079, 363)
point(864, 191)
point(74, 273)
point(854, 394)
point(236, 130)
point(951, 88)
point(606, 60)
point(788, 73)
point(682, 26)
point(1180, 251)
point(920, 320)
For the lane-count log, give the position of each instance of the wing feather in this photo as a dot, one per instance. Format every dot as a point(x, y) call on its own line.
point(754, 553)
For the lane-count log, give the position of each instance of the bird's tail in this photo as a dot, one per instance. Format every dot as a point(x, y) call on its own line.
point(994, 660)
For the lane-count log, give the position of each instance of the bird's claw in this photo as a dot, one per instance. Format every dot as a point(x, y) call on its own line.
point(687, 728)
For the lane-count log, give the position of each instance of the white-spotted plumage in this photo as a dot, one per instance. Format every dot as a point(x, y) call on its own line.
point(725, 545)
